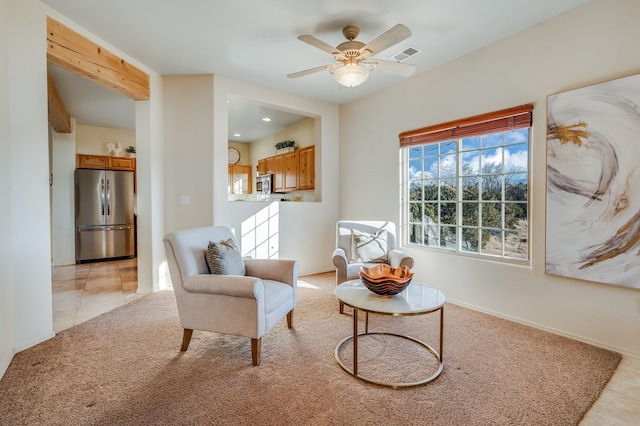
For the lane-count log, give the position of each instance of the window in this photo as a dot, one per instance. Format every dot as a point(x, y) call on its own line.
point(467, 184)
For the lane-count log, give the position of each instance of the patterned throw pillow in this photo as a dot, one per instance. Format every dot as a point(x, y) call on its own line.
point(224, 258)
point(368, 248)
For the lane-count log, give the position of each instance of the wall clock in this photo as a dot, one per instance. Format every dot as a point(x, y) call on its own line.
point(233, 156)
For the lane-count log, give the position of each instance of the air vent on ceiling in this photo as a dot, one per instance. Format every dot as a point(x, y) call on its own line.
point(405, 54)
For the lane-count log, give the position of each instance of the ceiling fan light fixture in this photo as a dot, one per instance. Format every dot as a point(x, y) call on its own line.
point(351, 75)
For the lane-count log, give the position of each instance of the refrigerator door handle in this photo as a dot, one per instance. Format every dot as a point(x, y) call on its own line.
point(102, 195)
point(108, 197)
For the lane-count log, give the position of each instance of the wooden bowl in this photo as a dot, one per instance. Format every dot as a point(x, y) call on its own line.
point(385, 280)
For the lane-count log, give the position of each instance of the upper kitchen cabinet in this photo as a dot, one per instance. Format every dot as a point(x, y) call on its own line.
point(306, 168)
point(122, 163)
point(277, 163)
point(291, 168)
point(87, 161)
point(293, 171)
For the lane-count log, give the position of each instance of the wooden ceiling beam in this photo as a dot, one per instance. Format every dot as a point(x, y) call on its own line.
point(58, 115)
point(75, 53)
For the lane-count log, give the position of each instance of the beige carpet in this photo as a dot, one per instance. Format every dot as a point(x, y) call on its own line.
point(125, 368)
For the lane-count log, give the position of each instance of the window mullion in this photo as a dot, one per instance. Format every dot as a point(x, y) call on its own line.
point(459, 196)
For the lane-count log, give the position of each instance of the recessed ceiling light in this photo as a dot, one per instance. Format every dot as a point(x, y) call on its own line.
point(266, 119)
point(237, 134)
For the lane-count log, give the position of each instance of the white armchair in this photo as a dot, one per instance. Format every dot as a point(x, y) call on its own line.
point(346, 266)
point(246, 306)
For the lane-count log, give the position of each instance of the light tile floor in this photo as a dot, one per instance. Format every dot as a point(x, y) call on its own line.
point(82, 292)
point(619, 403)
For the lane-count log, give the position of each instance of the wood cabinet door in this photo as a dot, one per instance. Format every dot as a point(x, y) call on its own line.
point(262, 167)
point(307, 167)
point(291, 171)
point(122, 163)
point(271, 166)
point(86, 161)
point(278, 173)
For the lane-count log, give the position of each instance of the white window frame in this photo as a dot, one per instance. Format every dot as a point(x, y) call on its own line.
point(405, 207)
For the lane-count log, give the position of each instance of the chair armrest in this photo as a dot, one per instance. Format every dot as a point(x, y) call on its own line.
point(226, 285)
point(399, 258)
point(284, 271)
point(341, 263)
point(340, 259)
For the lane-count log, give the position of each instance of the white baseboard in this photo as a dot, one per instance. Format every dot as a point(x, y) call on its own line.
point(559, 332)
point(5, 362)
point(34, 342)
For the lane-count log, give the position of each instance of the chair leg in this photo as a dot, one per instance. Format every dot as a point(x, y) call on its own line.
point(290, 319)
point(255, 350)
point(186, 338)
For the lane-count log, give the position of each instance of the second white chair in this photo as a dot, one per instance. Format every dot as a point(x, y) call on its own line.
point(380, 235)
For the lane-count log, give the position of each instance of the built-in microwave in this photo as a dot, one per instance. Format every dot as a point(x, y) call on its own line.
point(264, 184)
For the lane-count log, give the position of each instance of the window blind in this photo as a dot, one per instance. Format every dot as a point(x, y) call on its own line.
point(493, 122)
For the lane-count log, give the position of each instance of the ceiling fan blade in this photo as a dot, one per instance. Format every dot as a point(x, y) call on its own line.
point(384, 41)
point(311, 71)
point(405, 70)
point(315, 42)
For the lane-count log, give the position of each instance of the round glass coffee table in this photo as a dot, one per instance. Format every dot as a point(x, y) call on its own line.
point(416, 299)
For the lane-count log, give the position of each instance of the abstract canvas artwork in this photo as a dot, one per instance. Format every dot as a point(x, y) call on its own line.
point(593, 183)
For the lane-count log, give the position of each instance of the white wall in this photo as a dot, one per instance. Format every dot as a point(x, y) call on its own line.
point(305, 231)
point(29, 194)
point(150, 199)
point(302, 133)
point(6, 263)
point(244, 149)
point(593, 43)
point(196, 117)
point(25, 250)
point(63, 162)
point(93, 140)
point(188, 132)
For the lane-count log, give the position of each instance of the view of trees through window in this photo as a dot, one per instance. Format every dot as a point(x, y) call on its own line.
point(471, 194)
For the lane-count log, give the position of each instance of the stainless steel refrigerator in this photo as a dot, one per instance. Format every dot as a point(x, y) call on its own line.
point(104, 214)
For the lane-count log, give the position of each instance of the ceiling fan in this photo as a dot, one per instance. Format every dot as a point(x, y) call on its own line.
point(352, 67)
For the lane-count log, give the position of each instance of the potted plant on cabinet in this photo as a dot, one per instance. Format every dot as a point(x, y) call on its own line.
point(131, 151)
point(285, 146)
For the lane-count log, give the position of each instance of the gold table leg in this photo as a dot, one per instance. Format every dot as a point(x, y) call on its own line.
point(355, 342)
point(354, 371)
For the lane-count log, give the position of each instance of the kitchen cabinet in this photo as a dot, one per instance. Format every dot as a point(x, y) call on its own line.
point(121, 163)
point(266, 165)
point(240, 179)
point(262, 167)
point(278, 173)
point(290, 164)
point(105, 162)
point(306, 168)
point(85, 161)
point(292, 171)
